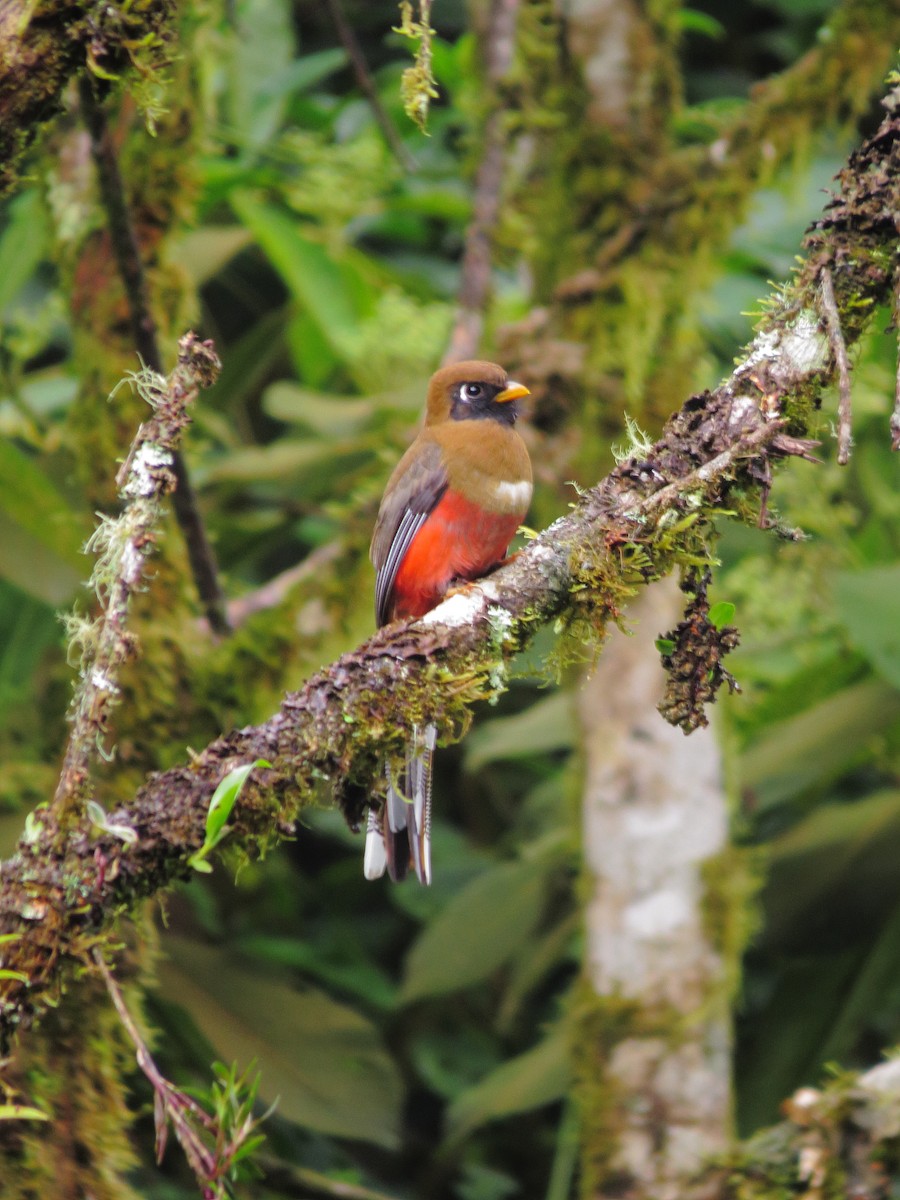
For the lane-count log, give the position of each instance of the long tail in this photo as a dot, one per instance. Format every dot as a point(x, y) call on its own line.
point(399, 837)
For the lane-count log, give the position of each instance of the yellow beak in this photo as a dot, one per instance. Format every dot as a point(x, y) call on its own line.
point(512, 391)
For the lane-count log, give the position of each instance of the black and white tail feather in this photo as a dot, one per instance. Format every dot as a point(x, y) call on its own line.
point(399, 837)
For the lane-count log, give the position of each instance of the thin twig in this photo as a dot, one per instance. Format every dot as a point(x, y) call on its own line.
point(131, 268)
point(839, 350)
point(895, 415)
point(170, 1104)
point(212, 1162)
point(367, 86)
point(274, 590)
point(475, 272)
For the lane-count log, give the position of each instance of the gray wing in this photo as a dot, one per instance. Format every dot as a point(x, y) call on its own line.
point(412, 494)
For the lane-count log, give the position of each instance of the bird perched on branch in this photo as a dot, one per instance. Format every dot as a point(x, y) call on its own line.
point(448, 514)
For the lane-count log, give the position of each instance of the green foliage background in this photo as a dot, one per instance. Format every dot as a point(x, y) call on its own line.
point(418, 1041)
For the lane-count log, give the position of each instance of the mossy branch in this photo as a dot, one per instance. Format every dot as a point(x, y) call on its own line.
point(44, 45)
point(649, 516)
point(122, 546)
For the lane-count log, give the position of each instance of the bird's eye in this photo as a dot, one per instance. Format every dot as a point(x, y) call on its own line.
point(473, 391)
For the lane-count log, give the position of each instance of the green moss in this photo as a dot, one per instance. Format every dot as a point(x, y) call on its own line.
point(74, 1069)
point(44, 45)
point(731, 883)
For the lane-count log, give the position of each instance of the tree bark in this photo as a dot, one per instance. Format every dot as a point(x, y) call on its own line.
point(654, 815)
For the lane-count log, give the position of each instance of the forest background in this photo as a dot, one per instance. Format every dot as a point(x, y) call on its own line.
point(599, 200)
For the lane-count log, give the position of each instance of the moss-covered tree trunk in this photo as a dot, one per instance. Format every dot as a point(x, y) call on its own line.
point(653, 1051)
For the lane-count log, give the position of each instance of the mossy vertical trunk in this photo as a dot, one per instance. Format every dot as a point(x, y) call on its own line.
point(652, 1032)
point(654, 1011)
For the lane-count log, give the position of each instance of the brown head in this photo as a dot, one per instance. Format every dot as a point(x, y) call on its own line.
point(468, 391)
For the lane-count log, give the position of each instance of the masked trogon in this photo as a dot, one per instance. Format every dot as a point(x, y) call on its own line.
point(448, 514)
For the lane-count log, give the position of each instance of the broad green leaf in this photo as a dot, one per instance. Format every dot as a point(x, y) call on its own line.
point(536, 960)
point(323, 1061)
point(818, 744)
point(304, 72)
point(263, 49)
point(537, 1077)
point(311, 466)
point(30, 499)
point(22, 243)
point(276, 461)
point(35, 568)
point(447, 202)
point(204, 252)
point(339, 967)
point(325, 415)
point(868, 603)
point(548, 724)
point(337, 416)
point(313, 359)
point(478, 931)
point(328, 291)
point(451, 1057)
point(477, 1181)
point(27, 628)
point(838, 863)
point(48, 391)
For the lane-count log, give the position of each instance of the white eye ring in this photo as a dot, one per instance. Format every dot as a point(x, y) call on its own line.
point(472, 391)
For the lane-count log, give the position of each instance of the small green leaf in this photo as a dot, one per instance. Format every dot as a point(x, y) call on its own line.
point(692, 21)
point(100, 818)
point(96, 812)
point(220, 806)
point(721, 614)
point(21, 1112)
point(225, 797)
point(19, 975)
point(665, 646)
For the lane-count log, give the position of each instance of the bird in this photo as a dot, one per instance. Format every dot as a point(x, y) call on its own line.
point(449, 512)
